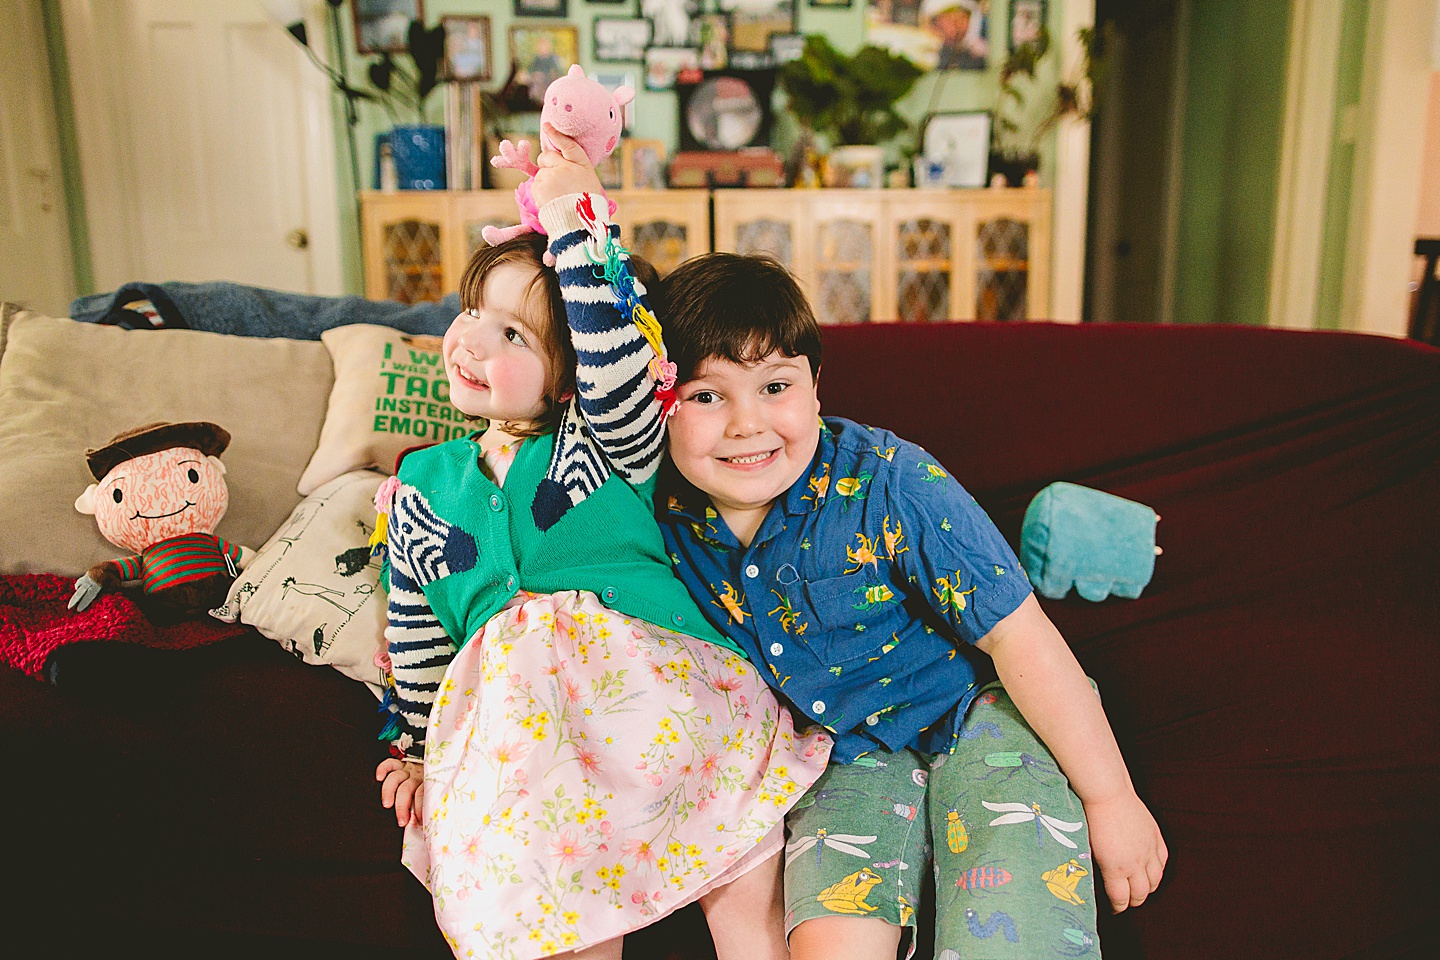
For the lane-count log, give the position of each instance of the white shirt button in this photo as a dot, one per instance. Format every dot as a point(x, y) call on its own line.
point(871, 720)
point(818, 706)
point(776, 649)
point(752, 571)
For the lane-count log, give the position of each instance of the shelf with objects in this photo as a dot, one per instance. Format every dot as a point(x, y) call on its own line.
point(919, 255)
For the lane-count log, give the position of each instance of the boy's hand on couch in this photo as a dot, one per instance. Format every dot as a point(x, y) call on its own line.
point(401, 787)
point(1128, 849)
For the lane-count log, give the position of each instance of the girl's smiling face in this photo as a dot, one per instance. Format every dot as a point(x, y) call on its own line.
point(493, 358)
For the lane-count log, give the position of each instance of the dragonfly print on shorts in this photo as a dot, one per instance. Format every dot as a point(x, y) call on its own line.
point(821, 839)
point(1025, 812)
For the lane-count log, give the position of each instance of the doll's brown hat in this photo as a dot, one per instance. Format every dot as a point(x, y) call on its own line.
point(209, 438)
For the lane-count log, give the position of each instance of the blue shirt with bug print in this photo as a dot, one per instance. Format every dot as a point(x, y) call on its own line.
point(863, 591)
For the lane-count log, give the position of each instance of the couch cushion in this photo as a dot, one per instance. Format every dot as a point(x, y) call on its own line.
point(66, 386)
point(314, 587)
point(390, 393)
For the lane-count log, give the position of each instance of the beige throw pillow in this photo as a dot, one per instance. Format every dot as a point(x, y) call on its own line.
point(314, 587)
point(390, 393)
point(67, 386)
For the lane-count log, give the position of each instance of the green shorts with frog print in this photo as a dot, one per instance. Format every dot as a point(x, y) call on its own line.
point(996, 821)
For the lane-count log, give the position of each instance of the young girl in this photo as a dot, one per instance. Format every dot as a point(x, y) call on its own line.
point(591, 754)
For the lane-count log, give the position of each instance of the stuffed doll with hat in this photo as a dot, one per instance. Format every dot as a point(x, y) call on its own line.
point(583, 110)
point(160, 492)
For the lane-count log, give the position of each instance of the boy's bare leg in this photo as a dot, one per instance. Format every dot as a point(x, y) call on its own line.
point(609, 950)
point(747, 916)
point(854, 938)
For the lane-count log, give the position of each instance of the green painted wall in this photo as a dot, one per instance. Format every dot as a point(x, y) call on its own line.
point(1234, 115)
point(1349, 73)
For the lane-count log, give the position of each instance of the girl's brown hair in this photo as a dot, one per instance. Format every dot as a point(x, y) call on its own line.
point(543, 312)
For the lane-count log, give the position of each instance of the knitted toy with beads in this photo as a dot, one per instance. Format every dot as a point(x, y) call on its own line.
point(583, 110)
point(160, 492)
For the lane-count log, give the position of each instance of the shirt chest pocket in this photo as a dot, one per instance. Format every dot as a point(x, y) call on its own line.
point(849, 618)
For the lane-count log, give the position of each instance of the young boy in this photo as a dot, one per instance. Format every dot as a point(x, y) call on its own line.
point(884, 604)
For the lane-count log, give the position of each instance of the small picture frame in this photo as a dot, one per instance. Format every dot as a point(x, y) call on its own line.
point(753, 23)
point(611, 171)
point(383, 26)
point(832, 4)
point(961, 141)
point(467, 48)
point(642, 164)
point(1027, 22)
point(855, 166)
point(619, 39)
point(613, 80)
point(539, 55)
point(710, 33)
point(785, 47)
point(558, 9)
point(664, 64)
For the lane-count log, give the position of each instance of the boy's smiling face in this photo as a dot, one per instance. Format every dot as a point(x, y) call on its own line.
point(745, 433)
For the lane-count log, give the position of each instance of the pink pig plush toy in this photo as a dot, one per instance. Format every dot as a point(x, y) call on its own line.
point(160, 492)
point(581, 109)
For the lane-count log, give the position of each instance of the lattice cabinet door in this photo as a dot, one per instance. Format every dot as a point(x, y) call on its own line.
point(471, 211)
point(666, 227)
point(769, 222)
point(405, 237)
point(924, 269)
point(1010, 238)
point(844, 243)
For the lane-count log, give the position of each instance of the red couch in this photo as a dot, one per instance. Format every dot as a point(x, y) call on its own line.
point(1276, 690)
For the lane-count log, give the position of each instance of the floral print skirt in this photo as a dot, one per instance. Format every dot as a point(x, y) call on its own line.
point(586, 774)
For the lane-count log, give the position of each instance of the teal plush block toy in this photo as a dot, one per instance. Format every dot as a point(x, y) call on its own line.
point(1096, 542)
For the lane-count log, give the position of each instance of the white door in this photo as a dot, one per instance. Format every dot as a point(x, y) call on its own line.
point(35, 264)
point(205, 144)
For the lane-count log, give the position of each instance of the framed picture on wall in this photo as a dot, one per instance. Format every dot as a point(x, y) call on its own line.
point(383, 26)
point(710, 33)
point(832, 4)
point(467, 48)
point(619, 39)
point(643, 164)
point(753, 21)
point(961, 142)
point(540, 54)
point(542, 8)
point(664, 64)
point(1027, 22)
point(785, 47)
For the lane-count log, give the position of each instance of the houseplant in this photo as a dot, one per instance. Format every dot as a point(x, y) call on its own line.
point(848, 100)
point(1014, 154)
point(401, 89)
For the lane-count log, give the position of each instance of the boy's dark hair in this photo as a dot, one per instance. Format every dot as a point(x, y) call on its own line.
point(737, 308)
point(544, 315)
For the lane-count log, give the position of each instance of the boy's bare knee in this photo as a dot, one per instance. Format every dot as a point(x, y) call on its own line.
point(855, 938)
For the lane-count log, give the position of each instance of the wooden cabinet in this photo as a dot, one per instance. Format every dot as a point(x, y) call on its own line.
point(417, 243)
point(917, 255)
point(861, 255)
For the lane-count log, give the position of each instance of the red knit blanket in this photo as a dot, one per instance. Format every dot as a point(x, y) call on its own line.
point(34, 622)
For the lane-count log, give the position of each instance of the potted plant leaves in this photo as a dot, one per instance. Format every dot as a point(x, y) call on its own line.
point(848, 100)
point(416, 146)
point(1014, 154)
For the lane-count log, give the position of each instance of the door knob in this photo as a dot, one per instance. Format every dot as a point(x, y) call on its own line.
point(298, 239)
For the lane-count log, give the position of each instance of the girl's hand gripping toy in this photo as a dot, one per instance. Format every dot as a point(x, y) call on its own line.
point(581, 109)
point(160, 492)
